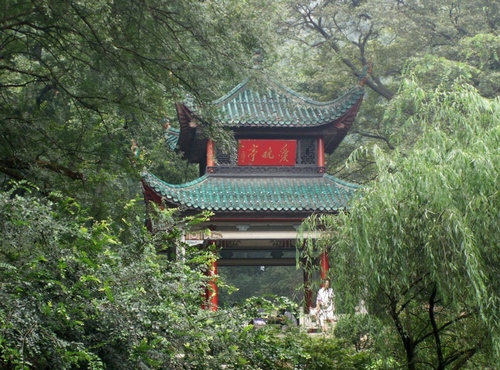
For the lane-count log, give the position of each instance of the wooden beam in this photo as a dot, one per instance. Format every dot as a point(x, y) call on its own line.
point(256, 262)
point(249, 235)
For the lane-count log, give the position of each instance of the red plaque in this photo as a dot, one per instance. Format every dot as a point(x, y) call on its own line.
point(267, 152)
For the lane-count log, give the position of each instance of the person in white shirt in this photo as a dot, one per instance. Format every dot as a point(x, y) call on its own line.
point(325, 305)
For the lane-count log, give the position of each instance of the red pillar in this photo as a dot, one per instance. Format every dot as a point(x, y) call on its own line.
point(321, 152)
point(324, 265)
point(213, 289)
point(210, 153)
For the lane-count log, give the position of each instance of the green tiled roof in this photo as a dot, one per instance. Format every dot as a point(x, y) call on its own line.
point(323, 193)
point(275, 105)
point(268, 108)
point(172, 137)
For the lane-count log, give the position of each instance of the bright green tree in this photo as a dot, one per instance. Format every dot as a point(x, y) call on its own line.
point(327, 43)
point(420, 244)
point(338, 37)
point(74, 296)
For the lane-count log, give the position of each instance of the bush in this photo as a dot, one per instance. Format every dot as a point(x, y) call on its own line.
point(331, 353)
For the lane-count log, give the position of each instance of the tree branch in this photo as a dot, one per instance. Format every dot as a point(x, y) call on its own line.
point(375, 84)
point(392, 147)
point(467, 355)
point(407, 340)
point(435, 330)
point(9, 165)
point(444, 326)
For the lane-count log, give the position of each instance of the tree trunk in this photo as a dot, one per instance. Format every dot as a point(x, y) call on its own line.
point(405, 336)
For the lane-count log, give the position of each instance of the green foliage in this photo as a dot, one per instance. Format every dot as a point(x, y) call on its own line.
point(80, 80)
point(330, 353)
point(424, 238)
point(74, 295)
point(481, 51)
point(327, 43)
point(248, 281)
point(269, 306)
point(363, 331)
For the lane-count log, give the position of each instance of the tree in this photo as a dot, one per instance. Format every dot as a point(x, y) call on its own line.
point(349, 34)
point(421, 243)
point(81, 80)
point(74, 296)
point(329, 43)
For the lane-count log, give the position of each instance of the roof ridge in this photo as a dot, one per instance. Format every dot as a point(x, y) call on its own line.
point(313, 101)
point(232, 92)
point(287, 91)
point(272, 104)
point(171, 136)
point(343, 182)
point(150, 176)
point(324, 194)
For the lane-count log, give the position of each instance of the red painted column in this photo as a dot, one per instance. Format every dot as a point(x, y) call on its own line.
point(321, 152)
point(324, 265)
point(210, 153)
point(213, 289)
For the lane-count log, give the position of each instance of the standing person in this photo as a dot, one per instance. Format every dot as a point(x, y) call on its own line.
point(325, 306)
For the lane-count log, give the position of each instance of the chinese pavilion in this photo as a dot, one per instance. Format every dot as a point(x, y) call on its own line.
point(277, 178)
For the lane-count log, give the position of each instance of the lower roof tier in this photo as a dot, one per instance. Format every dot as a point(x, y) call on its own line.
point(285, 194)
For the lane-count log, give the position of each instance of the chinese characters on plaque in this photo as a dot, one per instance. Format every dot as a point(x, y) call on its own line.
point(267, 152)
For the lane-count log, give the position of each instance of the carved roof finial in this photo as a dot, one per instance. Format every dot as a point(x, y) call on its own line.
point(166, 123)
point(134, 148)
point(365, 73)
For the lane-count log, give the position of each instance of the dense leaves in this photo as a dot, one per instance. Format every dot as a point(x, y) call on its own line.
point(81, 79)
point(424, 238)
point(73, 295)
point(70, 297)
point(328, 44)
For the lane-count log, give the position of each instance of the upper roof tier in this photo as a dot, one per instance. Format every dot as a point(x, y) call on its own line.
point(259, 109)
point(274, 105)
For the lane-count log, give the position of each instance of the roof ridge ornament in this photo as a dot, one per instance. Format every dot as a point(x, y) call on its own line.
point(365, 73)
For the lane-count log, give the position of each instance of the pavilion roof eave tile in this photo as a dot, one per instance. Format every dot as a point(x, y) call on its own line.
point(323, 193)
point(279, 106)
